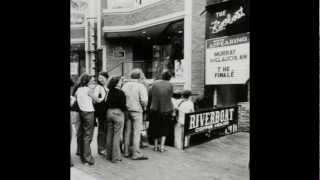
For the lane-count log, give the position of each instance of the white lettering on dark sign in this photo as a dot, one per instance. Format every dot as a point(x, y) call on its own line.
point(208, 120)
point(217, 26)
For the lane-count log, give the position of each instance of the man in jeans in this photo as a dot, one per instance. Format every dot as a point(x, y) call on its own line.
point(137, 100)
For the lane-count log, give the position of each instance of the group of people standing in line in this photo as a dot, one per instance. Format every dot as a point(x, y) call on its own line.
point(119, 108)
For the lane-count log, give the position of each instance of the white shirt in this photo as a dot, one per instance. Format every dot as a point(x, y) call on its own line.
point(175, 102)
point(72, 100)
point(85, 102)
point(101, 90)
point(185, 107)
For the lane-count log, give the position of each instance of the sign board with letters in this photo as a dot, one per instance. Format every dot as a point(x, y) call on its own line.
point(227, 18)
point(74, 67)
point(227, 60)
point(119, 52)
point(208, 120)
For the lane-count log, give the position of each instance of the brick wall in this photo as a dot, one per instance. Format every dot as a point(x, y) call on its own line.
point(77, 33)
point(159, 9)
point(198, 48)
point(244, 117)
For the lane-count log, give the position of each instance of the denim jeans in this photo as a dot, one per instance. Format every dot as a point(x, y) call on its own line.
point(85, 135)
point(102, 133)
point(115, 122)
point(132, 133)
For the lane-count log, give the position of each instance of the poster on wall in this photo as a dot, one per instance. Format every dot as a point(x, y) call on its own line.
point(179, 69)
point(227, 60)
point(78, 11)
point(119, 52)
point(74, 66)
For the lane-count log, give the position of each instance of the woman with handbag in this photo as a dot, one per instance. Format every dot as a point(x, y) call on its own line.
point(101, 91)
point(85, 97)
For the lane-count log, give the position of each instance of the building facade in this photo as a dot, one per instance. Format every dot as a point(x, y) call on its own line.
point(154, 35)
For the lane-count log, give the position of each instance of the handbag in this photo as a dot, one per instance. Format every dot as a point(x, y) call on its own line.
point(100, 108)
point(75, 106)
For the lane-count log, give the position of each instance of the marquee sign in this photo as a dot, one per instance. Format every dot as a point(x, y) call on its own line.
point(203, 121)
point(227, 18)
point(227, 60)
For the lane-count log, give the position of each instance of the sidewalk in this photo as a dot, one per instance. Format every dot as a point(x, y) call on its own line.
point(225, 158)
point(76, 174)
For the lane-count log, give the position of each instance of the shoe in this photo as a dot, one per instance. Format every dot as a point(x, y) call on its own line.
point(156, 149)
point(91, 163)
point(88, 163)
point(144, 146)
point(127, 156)
point(140, 158)
point(162, 150)
point(116, 160)
point(102, 153)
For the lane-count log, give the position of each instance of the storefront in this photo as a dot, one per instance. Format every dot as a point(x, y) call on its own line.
point(227, 69)
point(153, 49)
point(174, 35)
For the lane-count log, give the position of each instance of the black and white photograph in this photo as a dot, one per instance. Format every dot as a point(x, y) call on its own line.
point(159, 89)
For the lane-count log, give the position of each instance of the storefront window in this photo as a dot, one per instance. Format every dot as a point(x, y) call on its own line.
point(77, 60)
point(79, 8)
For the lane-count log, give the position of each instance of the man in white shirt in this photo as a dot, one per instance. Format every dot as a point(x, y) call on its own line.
point(137, 100)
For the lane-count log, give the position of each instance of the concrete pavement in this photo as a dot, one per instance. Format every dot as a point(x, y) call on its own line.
point(225, 158)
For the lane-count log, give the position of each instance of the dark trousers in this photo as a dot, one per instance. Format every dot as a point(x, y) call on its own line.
point(85, 135)
point(70, 140)
point(102, 132)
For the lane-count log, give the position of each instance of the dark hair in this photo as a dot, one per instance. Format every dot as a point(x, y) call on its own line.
point(71, 83)
point(85, 79)
point(113, 82)
point(166, 75)
point(135, 74)
point(186, 94)
point(104, 74)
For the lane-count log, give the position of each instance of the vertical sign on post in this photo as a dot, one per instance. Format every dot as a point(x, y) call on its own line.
point(74, 66)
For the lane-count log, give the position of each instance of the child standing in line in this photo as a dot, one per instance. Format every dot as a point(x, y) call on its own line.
point(185, 106)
